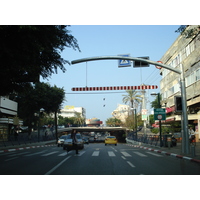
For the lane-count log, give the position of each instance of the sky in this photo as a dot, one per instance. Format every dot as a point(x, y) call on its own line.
point(107, 40)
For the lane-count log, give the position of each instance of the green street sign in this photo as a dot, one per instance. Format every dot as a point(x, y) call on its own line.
point(159, 114)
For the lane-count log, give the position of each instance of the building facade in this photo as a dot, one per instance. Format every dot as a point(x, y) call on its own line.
point(183, 53)
point(71, 111)
point(121, 112)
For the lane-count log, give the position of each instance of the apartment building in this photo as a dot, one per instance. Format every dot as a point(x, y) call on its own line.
point(184, 52)
point(71, 111)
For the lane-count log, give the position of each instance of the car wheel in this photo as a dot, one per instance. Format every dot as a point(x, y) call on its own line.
point(63, 148)
point(58, 145)
point(115, 144)
point(105, 144)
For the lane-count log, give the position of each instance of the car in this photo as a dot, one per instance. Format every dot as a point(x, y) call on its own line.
point(111, 140)
point(86, 140)
point(61, 140)
point(68, 144)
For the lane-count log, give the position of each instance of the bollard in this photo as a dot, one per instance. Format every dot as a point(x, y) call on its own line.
point(193, 150)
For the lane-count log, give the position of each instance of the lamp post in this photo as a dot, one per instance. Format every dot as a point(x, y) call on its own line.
point(159, 106)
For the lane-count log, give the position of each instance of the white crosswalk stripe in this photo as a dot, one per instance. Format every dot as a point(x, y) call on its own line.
point(155, 154)
point(47, 154)
point(140, 154)
point(111, 154)
point(95, 153)
point(126, 154)
point(63, 154)
point(33, 154)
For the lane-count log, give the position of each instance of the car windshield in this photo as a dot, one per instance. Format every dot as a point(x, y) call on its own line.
point(78, 136)
point(63, 137)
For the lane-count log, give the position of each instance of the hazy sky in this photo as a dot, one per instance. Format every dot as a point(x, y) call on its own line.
point(105, 40)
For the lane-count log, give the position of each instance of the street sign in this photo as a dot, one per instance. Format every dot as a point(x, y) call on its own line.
point(144, 114)
point(159, 114)
point(124, 63)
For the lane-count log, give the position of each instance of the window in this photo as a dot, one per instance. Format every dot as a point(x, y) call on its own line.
point(198, 74)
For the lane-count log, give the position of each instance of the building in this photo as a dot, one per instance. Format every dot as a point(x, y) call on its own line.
point(184, 52)
point(93, 122)
point(8, 117)
point(121, 112)
point(71, 111)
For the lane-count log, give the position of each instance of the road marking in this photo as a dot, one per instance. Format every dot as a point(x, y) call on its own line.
point(154, 154)
point(17, 154)
point(58, 165)
point(32, 154)
point(130, 164)
point(63, 154)
point(11, 159)
point(140, 154)
point(47, 154)
point(123, 157)
point(111, 154)
point(80, 154)
point(126, 154)
point(95, 153)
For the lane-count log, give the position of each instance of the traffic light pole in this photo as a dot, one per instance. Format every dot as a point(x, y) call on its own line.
point(182, 82)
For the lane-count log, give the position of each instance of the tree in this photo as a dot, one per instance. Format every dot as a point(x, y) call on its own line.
point(114, 122)
point(27, 52)
point(188, 31)
point(156, 103)
point(35, 97)
point(133, 98)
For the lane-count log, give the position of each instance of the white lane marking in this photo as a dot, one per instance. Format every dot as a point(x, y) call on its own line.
point(11, 158)
point(140, 154)
point(17, 154)
point(58, 165)
point(111, 154)
point(130, 164)
point(155, 154)
point(47, 154)
point(126, 154)
point(95, 153)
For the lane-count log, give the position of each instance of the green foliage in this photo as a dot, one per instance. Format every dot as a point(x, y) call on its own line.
point(114, 122)
point(27, 52)
point(155, 103)
point(187, 31)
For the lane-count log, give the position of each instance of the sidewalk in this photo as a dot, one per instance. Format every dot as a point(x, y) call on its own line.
point(27, 146)
point(172, 151)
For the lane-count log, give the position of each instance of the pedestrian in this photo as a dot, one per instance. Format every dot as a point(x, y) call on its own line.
point(75, 141)
point(191, 134)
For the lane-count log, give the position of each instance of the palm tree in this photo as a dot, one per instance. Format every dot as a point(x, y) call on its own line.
point(132, 97)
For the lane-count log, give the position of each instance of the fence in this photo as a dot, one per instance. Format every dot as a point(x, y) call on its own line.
point(24, 138)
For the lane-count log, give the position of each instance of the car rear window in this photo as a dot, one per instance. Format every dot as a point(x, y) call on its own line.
point(111, 137)
point(77, 136)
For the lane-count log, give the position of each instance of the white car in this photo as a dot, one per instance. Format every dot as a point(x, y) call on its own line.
point(61, 140)
point(68, 145)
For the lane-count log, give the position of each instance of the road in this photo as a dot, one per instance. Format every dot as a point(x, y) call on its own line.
point(94, 159)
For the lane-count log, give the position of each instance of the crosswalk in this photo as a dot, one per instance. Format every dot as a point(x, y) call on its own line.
point(112, 153)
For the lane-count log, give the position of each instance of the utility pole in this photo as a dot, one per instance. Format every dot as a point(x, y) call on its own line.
point(144, 108)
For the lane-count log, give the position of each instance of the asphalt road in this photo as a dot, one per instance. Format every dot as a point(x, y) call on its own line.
point(94, 159)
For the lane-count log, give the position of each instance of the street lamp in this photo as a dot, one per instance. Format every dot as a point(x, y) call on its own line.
point(159, 106)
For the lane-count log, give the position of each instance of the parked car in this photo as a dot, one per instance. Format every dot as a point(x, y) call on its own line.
point(68, 144)
point(111, 140)
point(61, 140)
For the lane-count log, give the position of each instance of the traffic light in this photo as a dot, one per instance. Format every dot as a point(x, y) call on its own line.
point(141, 64)
point(178, 103)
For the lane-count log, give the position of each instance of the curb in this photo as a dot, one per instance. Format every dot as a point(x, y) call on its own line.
point(22, 148)
point(167, 153)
